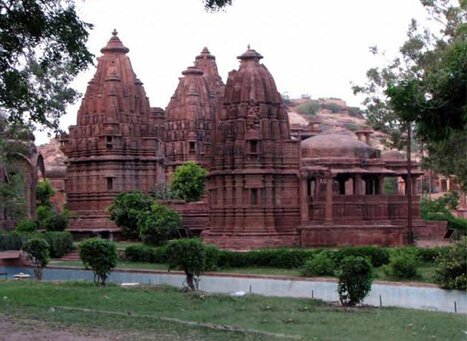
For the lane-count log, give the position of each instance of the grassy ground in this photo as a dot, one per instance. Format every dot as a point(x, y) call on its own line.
point(150, 311)
point(426, 270)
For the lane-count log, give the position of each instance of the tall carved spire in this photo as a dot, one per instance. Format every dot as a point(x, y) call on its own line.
point(116, 144)
point(206, 62)
point(253, 183)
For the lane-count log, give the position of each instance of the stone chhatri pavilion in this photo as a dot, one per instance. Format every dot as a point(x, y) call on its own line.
point(265, 186)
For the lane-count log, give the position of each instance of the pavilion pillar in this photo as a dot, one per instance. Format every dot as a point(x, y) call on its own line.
point(357, 184)
point(380, 188)
point(317, 188)
point(304, 200)
point(328, 207)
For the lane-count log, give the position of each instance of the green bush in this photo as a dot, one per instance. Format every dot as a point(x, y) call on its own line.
point(13, 240)
point(160, 255)
point(438, 209)
point(188, 255)
point(319, 265)
point(402, 267)
point(212, 257)
point(26, 225)
point(159, 225)
point(57, 222)
point(309, 108)
point(60, 243)
point(354, 280)
point(126, 209)
point(451, 270)
point(188, 182)
point(426, 255)
point(100, 255)
point(37, 250)
point(44, 213)
point(378, 256)
point(139, 253)
point(44, 191)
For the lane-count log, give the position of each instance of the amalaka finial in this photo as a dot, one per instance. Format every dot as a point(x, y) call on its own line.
point(114, 32)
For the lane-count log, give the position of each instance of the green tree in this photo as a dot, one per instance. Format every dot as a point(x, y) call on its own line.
point(426, 85)
point(37, 250)
point(44, 191)
point(451, 270)
point(126, 209)
point(189, 181)
point(354, 280)
point(100, 255)
point(159, 225)
point(215, 5)
point(43, 49)
point(188, 255)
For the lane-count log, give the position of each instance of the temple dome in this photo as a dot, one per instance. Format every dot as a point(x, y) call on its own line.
point(335, 145)
point(393, 155)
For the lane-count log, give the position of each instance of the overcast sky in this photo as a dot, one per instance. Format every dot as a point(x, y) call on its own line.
point(315, 47)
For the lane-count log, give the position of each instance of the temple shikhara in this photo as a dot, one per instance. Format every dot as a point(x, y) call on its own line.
point(271, 182)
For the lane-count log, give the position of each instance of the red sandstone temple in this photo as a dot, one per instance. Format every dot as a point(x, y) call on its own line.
point(269, 185)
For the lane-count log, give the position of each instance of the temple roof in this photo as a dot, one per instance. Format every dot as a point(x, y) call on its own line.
point(335, 145)
point(250, 54)
point(115, 44)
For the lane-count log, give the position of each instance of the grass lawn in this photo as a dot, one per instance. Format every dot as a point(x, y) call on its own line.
point(168, 311)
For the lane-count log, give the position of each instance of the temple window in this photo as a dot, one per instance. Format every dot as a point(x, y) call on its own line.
point(192, 147)
point(254, 196)
point(253, 146)
point(110, 184)
point(108, 144)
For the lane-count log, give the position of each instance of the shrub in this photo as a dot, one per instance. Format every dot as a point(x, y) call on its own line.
point(319, 265)
point(377, 255)
point(26, 225)
point(13, 240)
point(188, 255)
point(309, 108)
point(57, 222)
point(403, 266)
point(44, 191)
point(212, 258)
point(354, 280)
point(139, 253)
point(44, 213)
point(159, 225)
point(37, 250)
point(126, 209)
point(60, 243)
point(188, 182)
point(451, 270)
point(101, 256)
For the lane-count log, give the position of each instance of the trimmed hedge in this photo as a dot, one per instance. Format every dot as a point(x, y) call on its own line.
point(378, 256)
point(139, 253)
point(60, 242)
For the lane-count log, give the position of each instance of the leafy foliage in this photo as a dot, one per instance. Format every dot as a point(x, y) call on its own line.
point(451, 271)
point(44, 191)
point(11, 198)
point(57, 222)
point(376, 255)
point(319, 265)
point(215, 5)
point(12, 240)
point(188, 181)
point(139, 253)
point(26, 225)
point(158, 225)
point(354, 280)
point(60, 243)
point(402, 266)
point(126, 209)
point(43, 49)
point(37, 250)
point(437, 209)
point(100, 255)
point(309, 108)
point(188, 255)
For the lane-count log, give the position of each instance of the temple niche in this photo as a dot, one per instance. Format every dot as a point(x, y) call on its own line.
point(116, 145)
point(253, 186)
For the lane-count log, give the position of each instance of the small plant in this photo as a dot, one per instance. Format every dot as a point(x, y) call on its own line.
point(159, 225)
point(57, 222)
point(402, 266)
point(188, 255)
point(212, 258)
point(60, 243)
point(319, 265)
point(188, 182)
point(139, 253)
point(354, 280)
point(44, 191)
point(44, 212)
point(126, 209)
point(451, 271)
point(37, 250)
point(26, 225)
point(100, 255)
